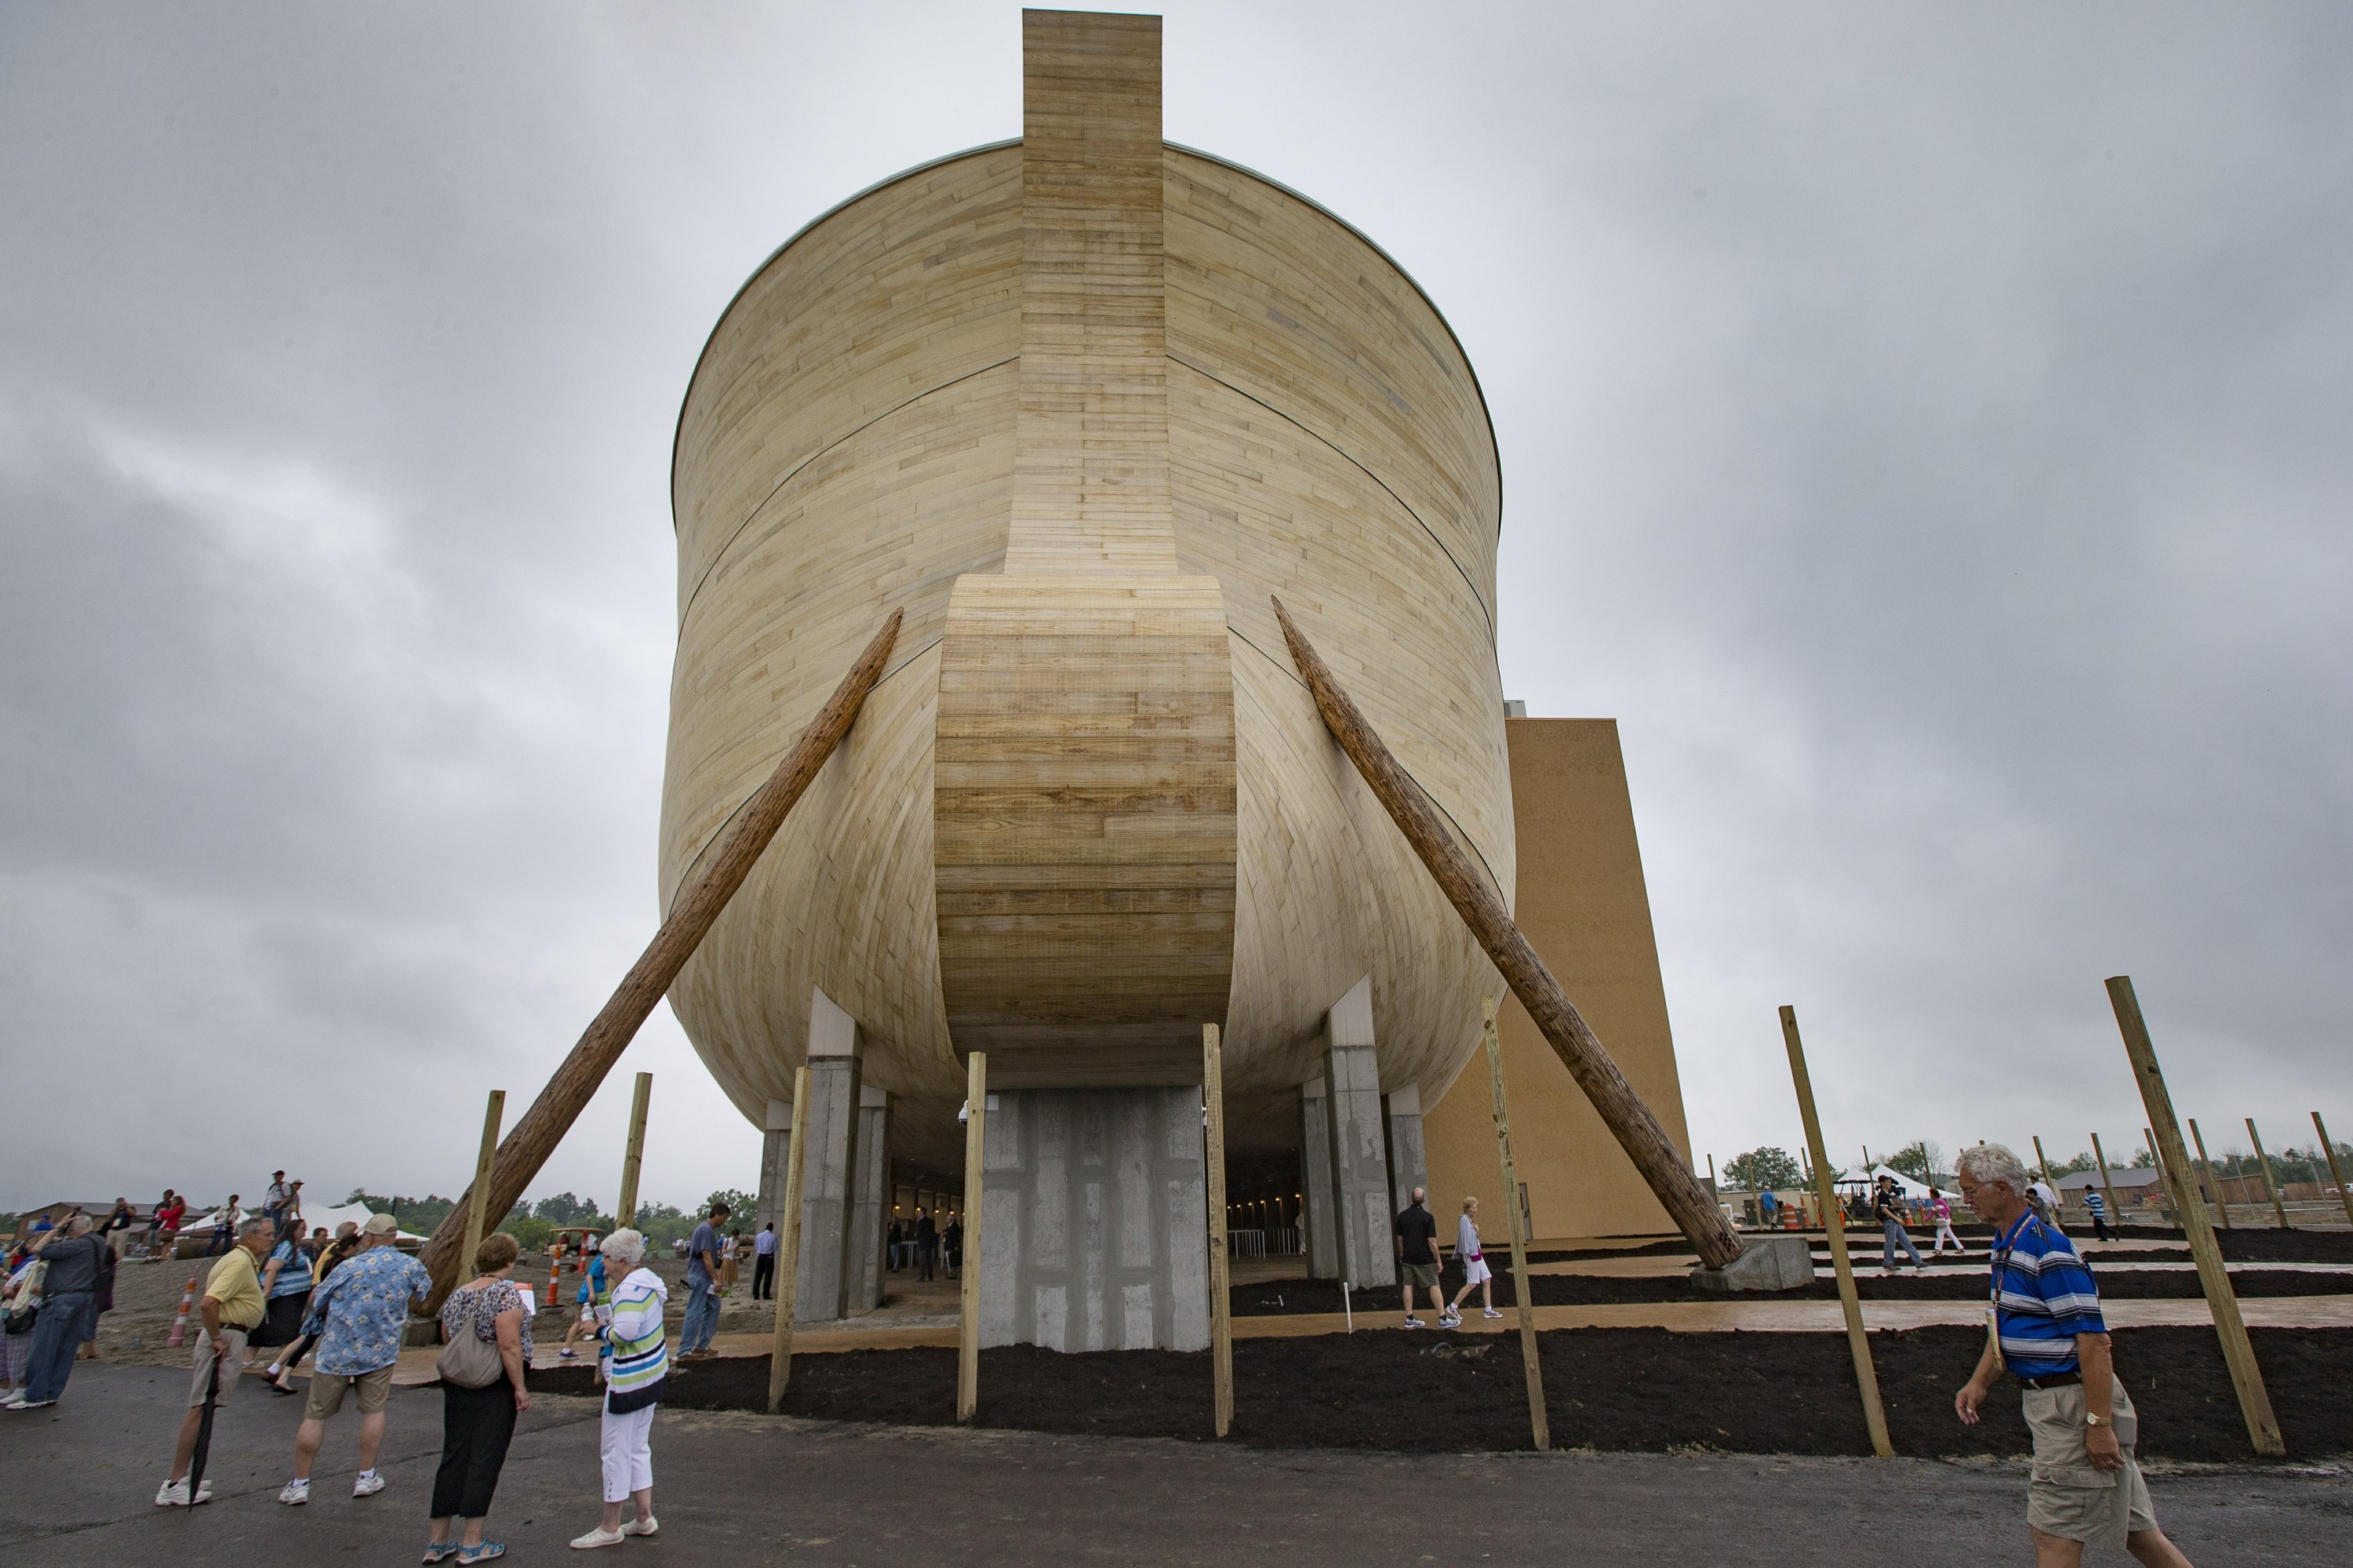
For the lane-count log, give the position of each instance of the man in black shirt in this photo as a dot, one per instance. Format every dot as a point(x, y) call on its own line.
point(1415, 1235)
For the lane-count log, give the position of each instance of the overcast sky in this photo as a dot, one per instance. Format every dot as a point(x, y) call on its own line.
point(1926, 431)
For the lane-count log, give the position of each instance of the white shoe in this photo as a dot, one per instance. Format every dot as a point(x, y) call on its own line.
point(597, 1536)
point(1414, 1323)
point(295, 1493)
point(1491, 1312)
point(175, 1494)
point(646, 1526)
point(368, 1485)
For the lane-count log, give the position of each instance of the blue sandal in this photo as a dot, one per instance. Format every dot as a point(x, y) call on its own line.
point(482, 1553)
point(435, 1551)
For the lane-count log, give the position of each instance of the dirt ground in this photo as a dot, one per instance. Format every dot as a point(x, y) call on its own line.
point(1606, 1389)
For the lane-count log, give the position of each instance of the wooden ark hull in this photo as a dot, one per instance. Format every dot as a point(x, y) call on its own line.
point(1091, 806)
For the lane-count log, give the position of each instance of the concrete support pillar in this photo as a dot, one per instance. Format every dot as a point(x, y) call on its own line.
point(776, 1140)
point(870, 1201)
point(831, 1124)
point(1408, 1165)
point(1315, 1216)
point(1093, 1210)
point(1359, 1154)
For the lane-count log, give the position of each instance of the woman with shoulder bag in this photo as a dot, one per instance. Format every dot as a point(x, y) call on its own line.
point(482, 1364)
point(20, 1301)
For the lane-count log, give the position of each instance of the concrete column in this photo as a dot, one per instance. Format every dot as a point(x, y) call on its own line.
point(1315, 1179)
point(776, 1140)
point(1360, 1175)
point(870, 1201)
point(1408, 1165)
point(1093, 1210)
point(831, 1124)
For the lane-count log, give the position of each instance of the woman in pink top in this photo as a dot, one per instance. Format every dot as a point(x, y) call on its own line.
point(1940, 1206)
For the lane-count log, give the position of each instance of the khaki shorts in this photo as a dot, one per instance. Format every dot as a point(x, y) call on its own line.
point(1420, 1274)
point(327, 1392)
point(2068, 1496)
point(231, 1365)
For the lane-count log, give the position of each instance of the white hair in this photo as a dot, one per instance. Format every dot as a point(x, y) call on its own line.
point(1987, 1163)
point(624, 1246)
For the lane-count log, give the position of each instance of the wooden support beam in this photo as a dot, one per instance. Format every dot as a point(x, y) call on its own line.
point(2171, 1188)
point(2044, 1160)
point(2222, 1302)
point(690, 917)
point(633, 1152)
point(789, 1247)
point(976, 1171)
point(2264, 1163)
point(2107, 1192)
point(478, 1223)
point(2336, 1170)
point(1221, 1305)
point(2221, 1197)
point(1522, 1284)
point(1866, 1376)
point(1646, 1143)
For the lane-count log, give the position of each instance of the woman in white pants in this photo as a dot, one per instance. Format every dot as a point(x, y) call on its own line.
point(1942, 1207)
point(633, 1390)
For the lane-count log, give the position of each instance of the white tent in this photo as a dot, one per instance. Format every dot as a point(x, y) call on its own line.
point(1911, 1191)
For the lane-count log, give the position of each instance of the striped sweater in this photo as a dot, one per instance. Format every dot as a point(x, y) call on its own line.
point(640, 1350)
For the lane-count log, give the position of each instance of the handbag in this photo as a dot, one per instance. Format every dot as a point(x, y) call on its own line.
point(28, 1311)
point(470, 1361)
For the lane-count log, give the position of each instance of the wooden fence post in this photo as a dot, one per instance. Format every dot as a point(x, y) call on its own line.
point(1522, 1284)
point(625, 1213)
point(477, 1220)
point(1834, 1221)
point(2221, 1193)
point(1221, 1303)
point(2222, 1302)
point(2044, 1160)
point(788, 1248)
point(2336, 1170)
point(2108, 1188)
point(976, 1171)
point(2264, 1163)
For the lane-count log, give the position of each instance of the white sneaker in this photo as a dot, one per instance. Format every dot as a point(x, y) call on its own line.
point(1449, 1319)
point(597, 1536)
point(1491, 1312)
point(647, 1526)
point(1414, 1323)
point(296, 1493)
point(175, 1494)
point(368, 1485)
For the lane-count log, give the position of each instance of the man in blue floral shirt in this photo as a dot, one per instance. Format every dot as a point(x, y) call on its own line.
point(365, 1304)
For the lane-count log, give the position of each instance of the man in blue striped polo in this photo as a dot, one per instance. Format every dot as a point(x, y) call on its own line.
point(2048, 1331)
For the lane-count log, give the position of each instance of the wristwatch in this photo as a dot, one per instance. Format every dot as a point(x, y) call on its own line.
point(2092, 1420)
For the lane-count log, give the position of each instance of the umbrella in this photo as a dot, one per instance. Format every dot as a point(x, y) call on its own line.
point(204, 1435)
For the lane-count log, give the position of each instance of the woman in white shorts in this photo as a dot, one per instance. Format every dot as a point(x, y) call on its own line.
point(1474, 1266)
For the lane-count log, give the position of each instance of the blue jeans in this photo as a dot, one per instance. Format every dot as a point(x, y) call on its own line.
point(1892, 1235)
point(57, 1337)
point(702, 1313)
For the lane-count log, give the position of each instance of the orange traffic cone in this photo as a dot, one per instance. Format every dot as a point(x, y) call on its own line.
point(180, 1324)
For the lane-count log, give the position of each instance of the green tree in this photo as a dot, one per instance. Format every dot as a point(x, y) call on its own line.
point(1761, 1169)
point(564, 1209)
point(741, 1206)
point(1922, 1161)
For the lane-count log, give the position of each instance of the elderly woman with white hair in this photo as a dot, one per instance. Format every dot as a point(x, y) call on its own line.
point(633, 1389)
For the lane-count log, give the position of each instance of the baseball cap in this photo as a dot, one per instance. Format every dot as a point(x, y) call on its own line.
point(380, 1225)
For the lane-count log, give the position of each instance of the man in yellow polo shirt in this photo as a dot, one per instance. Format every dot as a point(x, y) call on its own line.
point(233, 1307)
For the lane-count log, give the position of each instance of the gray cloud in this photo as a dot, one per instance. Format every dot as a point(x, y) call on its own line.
point(1923, 431)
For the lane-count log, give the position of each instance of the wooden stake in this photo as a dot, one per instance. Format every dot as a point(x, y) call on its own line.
point(789, 1249)
point(1523, 1285)
point(633, 1152)
point(691, 916)
point(2221, 1197)
point(1629, 1119)
point(2336, 1170)
point(2044, 1160)
point(975, 1170)
point(2100, 1156)
point(2264, 1163)
point(477, 1220)
point(2171, 1188)
point(1221, 1307)
point(1834, 1221)
point(2238, 1351)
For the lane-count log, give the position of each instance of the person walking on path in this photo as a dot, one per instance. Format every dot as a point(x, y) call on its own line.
point(74, 1257)
point(233, 1307)
point(362, 1308)
point(1768, 1210)
point(1941, 1207)
point(286, 1283)
point(1887, 1208)
point(2049, 1334)
point(2042, 1201)
point(764, 1263)
point(731, 1247)
point(1471, 1257)
point(633, 1390)
point(702, 1279)
point(2095, 1204)
point(477, 1423)
point(346, 1243)
point(1414, 1235)
point(927, 1243)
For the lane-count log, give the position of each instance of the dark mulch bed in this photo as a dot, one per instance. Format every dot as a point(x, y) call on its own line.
point(2276, 1245)
point(1942, 1282)
point(1612, 1389)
